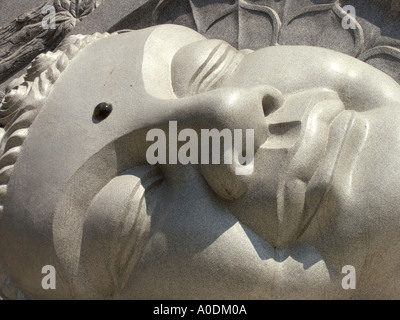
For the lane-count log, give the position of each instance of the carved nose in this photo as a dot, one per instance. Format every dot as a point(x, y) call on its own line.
point(262, 102)
point(249, 108)
point(229, 108)
point(246, 108)
point(284, 122)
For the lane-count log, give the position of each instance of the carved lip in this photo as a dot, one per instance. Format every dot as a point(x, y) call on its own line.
point(318, 151)
point(348, 137)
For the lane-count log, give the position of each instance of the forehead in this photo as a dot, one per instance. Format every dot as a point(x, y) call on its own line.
point(136, 62)
point(128, 70)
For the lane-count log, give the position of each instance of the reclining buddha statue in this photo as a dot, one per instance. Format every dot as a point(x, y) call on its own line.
point(78, 193)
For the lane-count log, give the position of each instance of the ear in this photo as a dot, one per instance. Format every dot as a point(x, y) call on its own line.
point(117, 228)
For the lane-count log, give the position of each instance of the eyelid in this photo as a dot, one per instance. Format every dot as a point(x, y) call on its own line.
point(220, 63)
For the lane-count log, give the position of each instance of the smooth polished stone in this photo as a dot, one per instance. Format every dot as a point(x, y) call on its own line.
point(81, 196)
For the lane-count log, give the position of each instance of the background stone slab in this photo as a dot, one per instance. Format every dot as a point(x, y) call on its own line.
point(252, 24)
point(12, 9)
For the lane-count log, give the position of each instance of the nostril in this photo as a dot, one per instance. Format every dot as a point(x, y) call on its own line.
point(283, 134)
point(270, 103)
point(283, 128)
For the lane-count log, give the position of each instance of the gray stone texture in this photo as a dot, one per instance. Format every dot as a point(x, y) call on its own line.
point(12, 9)
point(256, 24)
point(39, 30)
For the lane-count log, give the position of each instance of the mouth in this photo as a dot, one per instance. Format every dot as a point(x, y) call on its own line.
point(312, 155)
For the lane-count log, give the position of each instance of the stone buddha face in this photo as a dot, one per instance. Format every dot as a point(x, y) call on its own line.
point(79, 193)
